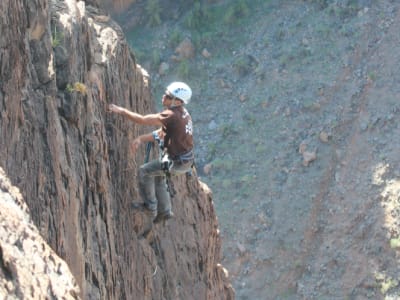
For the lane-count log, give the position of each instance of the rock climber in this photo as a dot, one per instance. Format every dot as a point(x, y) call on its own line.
point(175, 137)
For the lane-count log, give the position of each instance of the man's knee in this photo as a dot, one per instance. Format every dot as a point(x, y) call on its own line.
point(142, 173)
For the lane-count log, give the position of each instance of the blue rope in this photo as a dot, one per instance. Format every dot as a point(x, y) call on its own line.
point(148, 149)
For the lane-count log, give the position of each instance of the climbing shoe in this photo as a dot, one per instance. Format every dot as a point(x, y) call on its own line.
point(143, 208)
point(162, 217)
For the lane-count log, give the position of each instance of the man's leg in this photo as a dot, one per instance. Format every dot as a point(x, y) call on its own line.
point(163, 196)
point(147, 174)
point(164, 200)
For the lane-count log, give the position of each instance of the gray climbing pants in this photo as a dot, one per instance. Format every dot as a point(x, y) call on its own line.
point(153, 185)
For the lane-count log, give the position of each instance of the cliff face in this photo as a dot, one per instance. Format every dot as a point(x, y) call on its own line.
point(61, 63)
point(29, 268)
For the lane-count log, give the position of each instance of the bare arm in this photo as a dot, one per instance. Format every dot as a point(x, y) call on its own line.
point(141, 139)
point(146, 138)
point(150, 119)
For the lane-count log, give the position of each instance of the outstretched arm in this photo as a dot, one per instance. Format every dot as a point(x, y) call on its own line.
point(150, 119)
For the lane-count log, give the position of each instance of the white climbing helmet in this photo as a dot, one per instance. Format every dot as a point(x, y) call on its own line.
point(181, 91)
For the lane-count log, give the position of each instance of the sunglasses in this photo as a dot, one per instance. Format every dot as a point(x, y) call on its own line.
point(168, 96)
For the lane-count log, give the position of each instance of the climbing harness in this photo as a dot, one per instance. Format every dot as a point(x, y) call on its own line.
point(167, 161)
point(166, 164)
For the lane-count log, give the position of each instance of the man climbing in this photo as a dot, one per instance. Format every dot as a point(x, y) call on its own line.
point(175, 137)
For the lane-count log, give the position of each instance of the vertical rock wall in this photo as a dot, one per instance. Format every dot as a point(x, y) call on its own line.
point(61, 63)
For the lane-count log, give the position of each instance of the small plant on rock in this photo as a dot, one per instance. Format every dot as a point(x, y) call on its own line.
point(56, 38)
point(78, 87)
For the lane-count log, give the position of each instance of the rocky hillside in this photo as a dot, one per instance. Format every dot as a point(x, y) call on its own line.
point(296, 112)
point(61, 63)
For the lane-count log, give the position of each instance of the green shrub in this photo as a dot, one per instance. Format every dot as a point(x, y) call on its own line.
point(212, 150)
point(183, 69)
point(242, 66)
point(322, 4)
point(156, 57)
point(56, 37)
point(260, 149)
point(235, 12)
point(395, 243)
point(227, 130)
point(372, 76)
point(198, 16)
point(226, 183)
point(153, 11)
point(175, 38)
point(246, 179)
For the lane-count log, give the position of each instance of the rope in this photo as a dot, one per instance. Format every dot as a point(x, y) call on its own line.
point(170, 184)
point(148, 149)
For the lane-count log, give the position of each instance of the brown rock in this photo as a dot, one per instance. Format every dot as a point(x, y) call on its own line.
point(309, 157)
point(205, 53)
point(324, 136)
point(72, 162)
point(241, 248)
point(302, 147)
point(164, 67)
point(207, 169)
point(185, 49)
